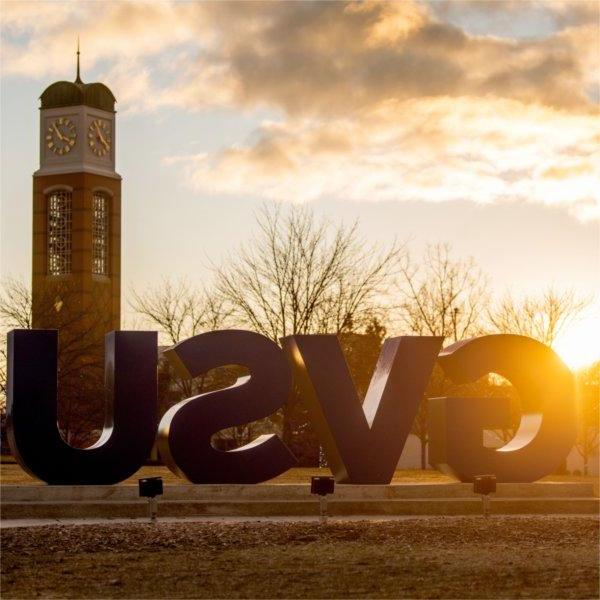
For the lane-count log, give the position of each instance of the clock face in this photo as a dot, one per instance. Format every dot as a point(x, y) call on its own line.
point(61, 136)
point(99, 137)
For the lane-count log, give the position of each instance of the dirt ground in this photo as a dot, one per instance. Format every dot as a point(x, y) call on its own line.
point(433, 557)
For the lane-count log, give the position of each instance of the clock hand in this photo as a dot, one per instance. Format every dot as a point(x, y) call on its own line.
point(101, 136)
point(59, 134)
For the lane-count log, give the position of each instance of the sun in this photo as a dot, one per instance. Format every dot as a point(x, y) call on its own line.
point(579, 344)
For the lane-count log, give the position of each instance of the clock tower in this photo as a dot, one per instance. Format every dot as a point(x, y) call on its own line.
point(76, 283)
point(77, 204)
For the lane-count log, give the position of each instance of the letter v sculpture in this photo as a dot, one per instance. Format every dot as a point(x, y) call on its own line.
point(362, 443)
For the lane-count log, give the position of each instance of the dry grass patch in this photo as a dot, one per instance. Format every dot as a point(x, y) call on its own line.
point(433, 557)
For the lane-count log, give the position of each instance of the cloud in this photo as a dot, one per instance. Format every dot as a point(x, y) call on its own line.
point(516, 19)
point(437, 150)
point(39, 37)
point(376, 100)
point(327, 57)
point(303, 57)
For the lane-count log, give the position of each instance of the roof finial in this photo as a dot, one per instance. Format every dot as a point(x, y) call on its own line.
point(78, 78)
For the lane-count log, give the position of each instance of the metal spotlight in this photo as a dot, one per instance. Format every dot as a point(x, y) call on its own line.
point(150, 487)
point(484, 485)
point(321, 486)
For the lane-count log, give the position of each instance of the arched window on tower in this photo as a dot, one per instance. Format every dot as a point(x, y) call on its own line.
point(100, 234)
point(59, 232)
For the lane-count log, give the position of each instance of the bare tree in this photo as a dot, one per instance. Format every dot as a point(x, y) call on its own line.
point(299, 275)
point(541, 317)
point(179, 311)
point(440, 296)
point(15, 313)
point(80, 350)
point(15, 304)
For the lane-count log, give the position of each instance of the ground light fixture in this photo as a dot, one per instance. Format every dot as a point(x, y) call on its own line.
point(150, 487)
point(321, 486)
point(484, 485)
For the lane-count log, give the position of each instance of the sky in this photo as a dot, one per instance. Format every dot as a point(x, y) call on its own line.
point(472, 123)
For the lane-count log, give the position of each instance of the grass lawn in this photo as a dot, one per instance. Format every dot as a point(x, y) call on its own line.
point(12, 474)
point(431, 557)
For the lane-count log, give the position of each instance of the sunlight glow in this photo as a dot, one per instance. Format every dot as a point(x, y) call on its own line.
point(579, 344)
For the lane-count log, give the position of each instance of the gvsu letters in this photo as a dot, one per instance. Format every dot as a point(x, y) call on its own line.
point(362, 442)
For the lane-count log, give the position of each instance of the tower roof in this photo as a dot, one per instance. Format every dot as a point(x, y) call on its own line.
point(67, 93)
point(76, 93)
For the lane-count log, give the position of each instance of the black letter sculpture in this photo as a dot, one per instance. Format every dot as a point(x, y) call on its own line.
point(130, 425)
point(547, 430)
point(363, 443)
point(186, 429)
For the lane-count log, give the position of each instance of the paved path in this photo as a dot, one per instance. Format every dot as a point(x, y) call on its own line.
point(12, 523)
